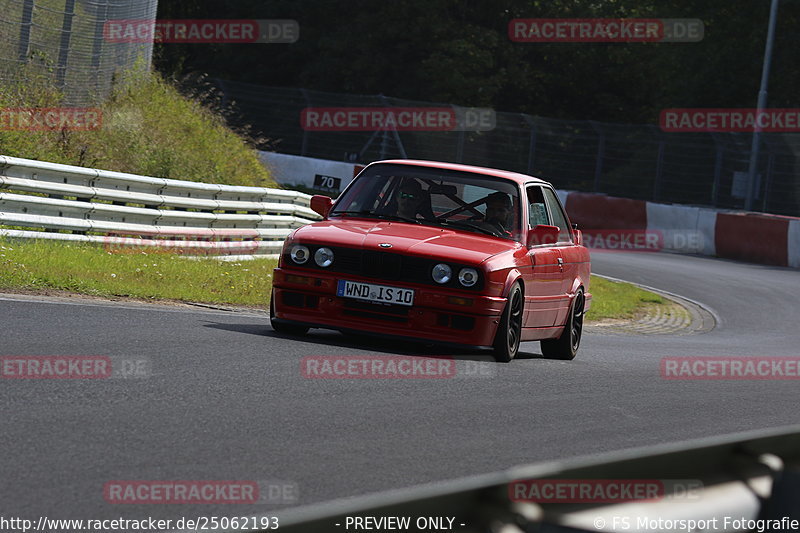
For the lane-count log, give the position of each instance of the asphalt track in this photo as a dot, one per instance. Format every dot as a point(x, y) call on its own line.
point(225, 399)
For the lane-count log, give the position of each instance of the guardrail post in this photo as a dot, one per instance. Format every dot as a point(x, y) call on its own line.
point(66, 37)
point(25, 31)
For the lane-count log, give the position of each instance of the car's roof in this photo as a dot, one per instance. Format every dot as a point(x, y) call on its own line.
point(514, 176)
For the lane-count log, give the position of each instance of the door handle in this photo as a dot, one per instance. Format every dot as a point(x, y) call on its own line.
point(560, 264)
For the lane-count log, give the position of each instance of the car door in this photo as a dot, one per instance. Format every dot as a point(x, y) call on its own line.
point(572, 256)
point(543, 280)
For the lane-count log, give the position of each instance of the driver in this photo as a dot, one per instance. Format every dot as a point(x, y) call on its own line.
point(409, 199)
point(498, 207)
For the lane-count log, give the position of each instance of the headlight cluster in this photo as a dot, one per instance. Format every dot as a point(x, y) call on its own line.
point(299, 254)
point(468, 277)
point(443, 273)
point(323, 257)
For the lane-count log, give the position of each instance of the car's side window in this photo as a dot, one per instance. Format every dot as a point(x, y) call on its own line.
point(537, 212)
point(557, 215)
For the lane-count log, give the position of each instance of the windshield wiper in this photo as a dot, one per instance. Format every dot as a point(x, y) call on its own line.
point(368, 213)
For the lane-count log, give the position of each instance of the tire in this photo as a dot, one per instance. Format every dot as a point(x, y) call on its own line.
point(286, 329)
point(509, 331)
point(566, 346)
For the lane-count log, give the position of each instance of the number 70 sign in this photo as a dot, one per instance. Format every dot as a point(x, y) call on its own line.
point(327, 183)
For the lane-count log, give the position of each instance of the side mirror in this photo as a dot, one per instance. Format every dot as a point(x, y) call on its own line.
point(321, 204)
point(578, 236)
point(542, 234)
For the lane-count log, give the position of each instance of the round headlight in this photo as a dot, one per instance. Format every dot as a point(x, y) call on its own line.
point(442, 273)
point(299, 254)
point(323, 257)
point(468, 277)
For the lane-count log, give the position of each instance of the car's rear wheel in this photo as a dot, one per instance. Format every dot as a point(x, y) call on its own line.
point(509, 331)
point(566, 346)
point(288, 329)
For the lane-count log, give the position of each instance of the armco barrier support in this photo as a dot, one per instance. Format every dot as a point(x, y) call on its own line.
point(752, 237)
point(594, 211)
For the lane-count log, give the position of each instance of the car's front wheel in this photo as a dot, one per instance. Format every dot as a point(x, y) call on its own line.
point(509, 331)
point(566, 346)
point(288, 329)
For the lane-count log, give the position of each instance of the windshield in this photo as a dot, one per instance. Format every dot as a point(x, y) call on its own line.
point(457, 200)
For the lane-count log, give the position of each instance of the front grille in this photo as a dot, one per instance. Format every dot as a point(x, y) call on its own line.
point(388, 266)
point(382, 265)
point(347, 260)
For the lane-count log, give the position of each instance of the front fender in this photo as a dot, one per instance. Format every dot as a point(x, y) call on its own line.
point(512, 277)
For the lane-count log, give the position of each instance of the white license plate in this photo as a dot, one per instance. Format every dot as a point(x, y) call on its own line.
point(375, 293)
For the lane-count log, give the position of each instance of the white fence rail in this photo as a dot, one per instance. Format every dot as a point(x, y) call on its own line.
point(63, 202)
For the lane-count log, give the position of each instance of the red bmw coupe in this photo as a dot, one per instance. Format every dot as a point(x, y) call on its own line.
point(438, 252)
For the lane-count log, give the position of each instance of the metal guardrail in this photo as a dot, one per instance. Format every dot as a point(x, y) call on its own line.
point(729, 483)
point(63, 202)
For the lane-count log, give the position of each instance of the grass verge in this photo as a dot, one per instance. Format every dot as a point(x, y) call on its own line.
point(88, 269)
point(616, 300)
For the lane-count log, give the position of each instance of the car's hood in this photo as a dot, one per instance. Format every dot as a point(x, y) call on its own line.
point(410, 239)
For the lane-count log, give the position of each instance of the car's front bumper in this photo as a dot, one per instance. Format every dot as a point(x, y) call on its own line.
point(441, 315)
